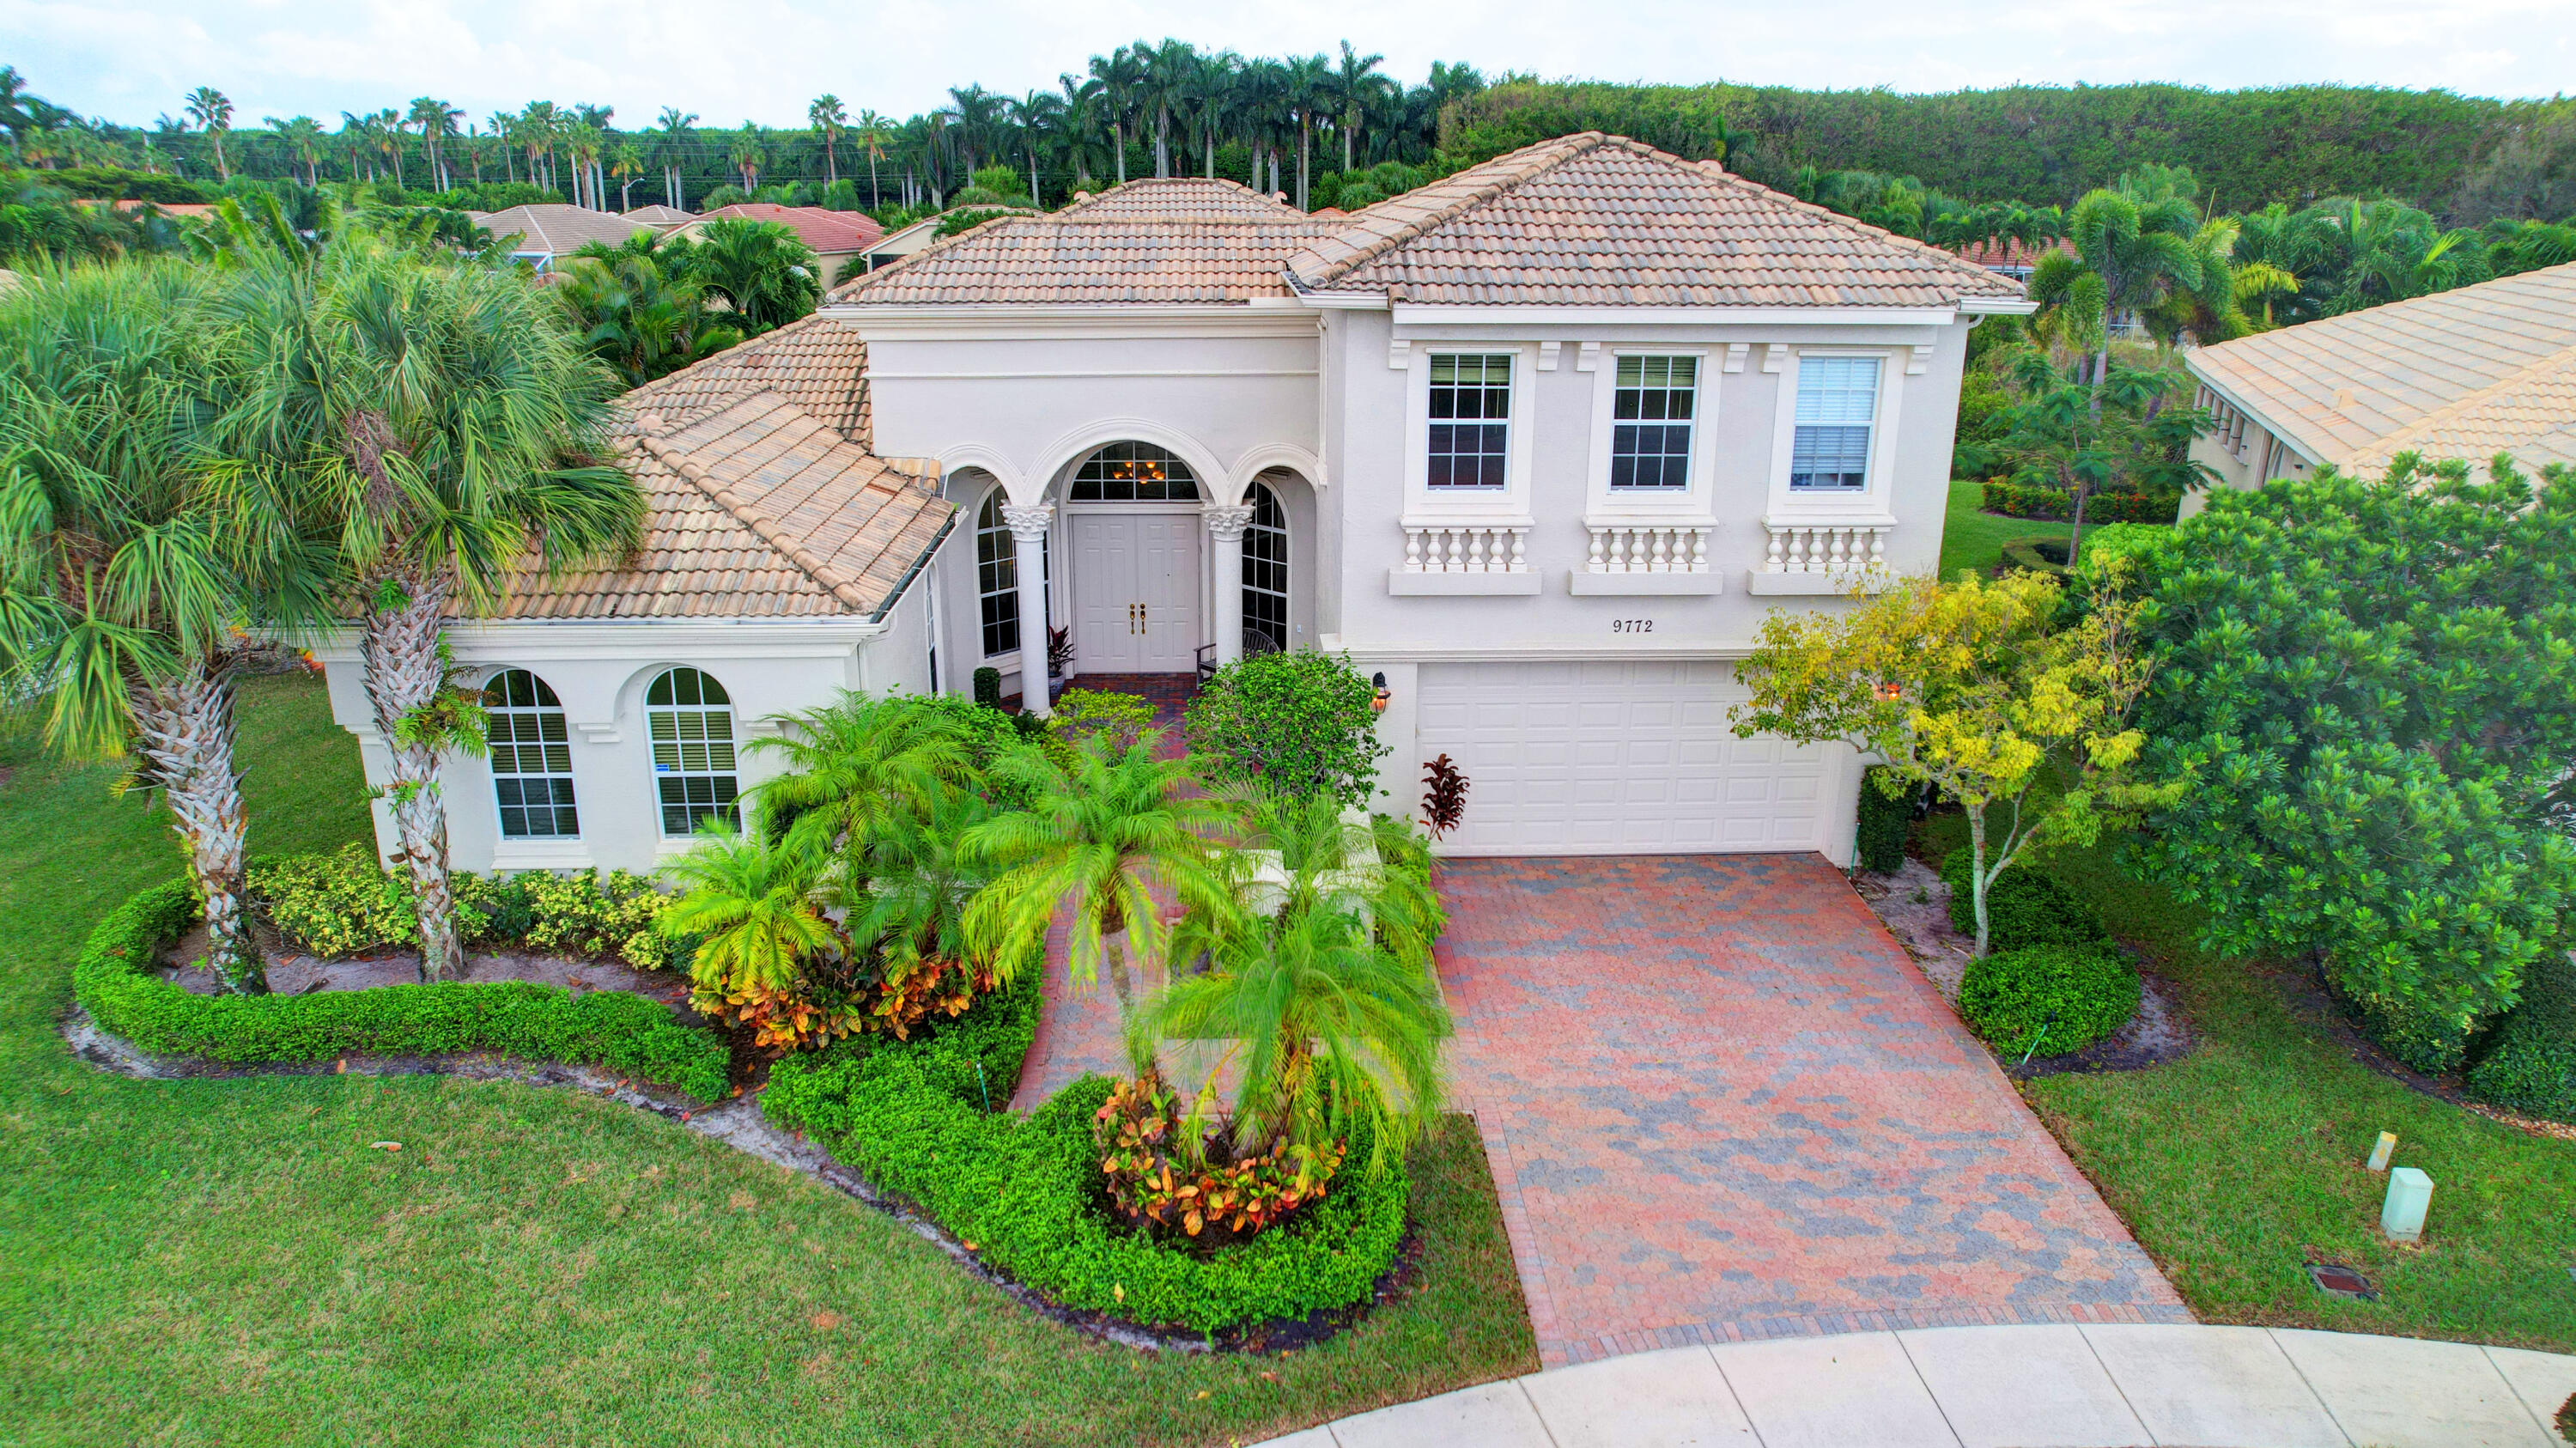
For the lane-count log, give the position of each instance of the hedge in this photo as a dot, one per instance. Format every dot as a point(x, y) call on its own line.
point(2023, 908)
point(2530, 1066)
point(1884, 824)
point(1026, 1195)
point(114, 981)
point(2075, 994)
point(2031, 500)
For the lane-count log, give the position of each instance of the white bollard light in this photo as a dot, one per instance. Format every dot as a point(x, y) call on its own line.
point(2410, 1193)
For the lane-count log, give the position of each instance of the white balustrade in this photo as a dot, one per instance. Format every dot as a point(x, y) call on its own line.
point(1466, 548)
point(1648, 548)
point(1825, 547)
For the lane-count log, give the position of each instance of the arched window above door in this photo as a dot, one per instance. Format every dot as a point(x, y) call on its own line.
point(1133, 472)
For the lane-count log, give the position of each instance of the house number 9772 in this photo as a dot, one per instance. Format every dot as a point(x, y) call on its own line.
point(1632, 625)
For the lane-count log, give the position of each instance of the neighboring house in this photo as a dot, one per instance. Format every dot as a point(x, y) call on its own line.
point(2463, 374)
point(543, 236)
point(1540, 444)
point(840, 239)
point(895, 245)
point(659, 215)
point(2011, 256)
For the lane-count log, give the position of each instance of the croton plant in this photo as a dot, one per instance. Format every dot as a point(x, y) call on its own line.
point(1172, 1171)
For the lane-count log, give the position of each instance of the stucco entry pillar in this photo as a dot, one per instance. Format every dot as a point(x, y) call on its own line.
point(1029, 525)
point(1225, 525)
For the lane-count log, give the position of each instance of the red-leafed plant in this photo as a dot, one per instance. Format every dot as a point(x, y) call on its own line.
point(1170, 1171)
point(1444, 802)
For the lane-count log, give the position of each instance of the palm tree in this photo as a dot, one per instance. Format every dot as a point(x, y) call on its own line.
point(1262, 108)
point(636, 315)
point(583, 145)
point(760, 268)
point(870, 131)
point(597, 119)
point(505, 129)
point(977, 116)
point(752, 904)
point(829, 121)
point(128, 570)
point(1120, 73)
point(1167, 70)
point(1206, 95)
point(303, 138)
point(437, 121)
point(213, 114)
point(745, 154)
point(627, 162)
point(919, 883)
point(675, 128)
point(386, 129)
point(1351, 86)
point(1105, 826)
point(1033, 117)
point(2129, 257)
point(451, 428)
point(1082, 123)
point(536, 132)
point(860, 761)
point(1308, 94)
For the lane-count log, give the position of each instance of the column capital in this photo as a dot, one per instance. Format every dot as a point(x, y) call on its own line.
point(1028, 522)
point(1225, 523)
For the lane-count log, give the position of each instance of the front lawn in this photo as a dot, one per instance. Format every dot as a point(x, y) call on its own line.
point(230, 1261)
point(2230, 1164)
point(1974, 539)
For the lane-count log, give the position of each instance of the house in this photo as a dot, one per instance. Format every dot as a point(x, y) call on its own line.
point(2463, 374)
point(1539, 445)
point(840, 239)
point(543, 235)
point(659, 215)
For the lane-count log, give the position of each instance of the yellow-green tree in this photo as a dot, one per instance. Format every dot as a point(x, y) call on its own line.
point(1977, 689)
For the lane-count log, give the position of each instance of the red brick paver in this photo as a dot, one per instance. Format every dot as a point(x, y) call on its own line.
point(1720, 1103)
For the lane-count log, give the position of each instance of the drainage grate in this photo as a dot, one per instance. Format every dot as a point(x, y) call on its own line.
point(2336, 1280)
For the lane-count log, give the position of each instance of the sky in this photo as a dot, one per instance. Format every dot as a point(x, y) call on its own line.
point(763, 60)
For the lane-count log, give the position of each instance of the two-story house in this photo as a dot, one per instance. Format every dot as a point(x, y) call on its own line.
point(1540, 444)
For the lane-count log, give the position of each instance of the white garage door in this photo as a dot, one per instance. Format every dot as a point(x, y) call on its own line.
point(1616, 758)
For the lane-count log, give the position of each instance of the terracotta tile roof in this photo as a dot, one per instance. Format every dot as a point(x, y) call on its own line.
point(556, 229)
point(829, 233)
point(1060, 258)
point(2465, 373)
point(1198, 198)
point(762, 500)
point(1595, 220)
point(658, 214)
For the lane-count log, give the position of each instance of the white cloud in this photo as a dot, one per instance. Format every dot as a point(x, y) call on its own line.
point(763, 59)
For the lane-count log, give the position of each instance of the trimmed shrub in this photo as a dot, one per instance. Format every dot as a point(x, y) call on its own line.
point(114, 981)
point(1029, 1194)
point(1296, 723)
point(336, 905)
point(2023, 908)
point(2423, 1039)
point(1885, 821)
point(2076, 994)
point(2030, 500)
point(2531, 1065)
point(988, 687)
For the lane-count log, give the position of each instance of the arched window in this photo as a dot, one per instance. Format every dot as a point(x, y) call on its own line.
point(997, 578)
point(1265, 574)
point(531, 758)
point(689, 718)
point(1133, 472)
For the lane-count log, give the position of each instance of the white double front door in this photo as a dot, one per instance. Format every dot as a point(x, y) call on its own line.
point(1135, 589)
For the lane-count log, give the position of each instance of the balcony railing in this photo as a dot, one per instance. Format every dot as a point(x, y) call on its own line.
point(1464, 557)
point(1821, 557)
point(1648, 548)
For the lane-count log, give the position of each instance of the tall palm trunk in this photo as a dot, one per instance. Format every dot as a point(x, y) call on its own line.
point(1118, 138)
point(399, 649)
point(184, 729)
point(1162, 141)
point(1305, 141)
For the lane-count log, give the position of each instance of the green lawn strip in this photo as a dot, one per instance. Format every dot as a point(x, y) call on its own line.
point(2229, 1164)
point(230, 1261)
point(1974, 539)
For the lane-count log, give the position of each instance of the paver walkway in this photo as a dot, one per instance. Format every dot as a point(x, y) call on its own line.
point(2093, 1386)
point(1721, 1104)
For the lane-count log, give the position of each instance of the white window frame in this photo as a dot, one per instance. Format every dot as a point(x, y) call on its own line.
point(505, 839)
point(1510, 502)
point(994, 499)
point(735, 741)
point(1693, 503)
point(1873, 502)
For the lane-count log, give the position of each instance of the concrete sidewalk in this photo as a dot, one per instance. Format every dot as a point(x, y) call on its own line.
point(2092, 1386)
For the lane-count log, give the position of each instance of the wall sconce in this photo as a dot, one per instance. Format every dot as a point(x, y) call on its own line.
point(1378, 704)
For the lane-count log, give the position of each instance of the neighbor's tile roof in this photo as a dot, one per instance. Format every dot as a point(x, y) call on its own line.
point(827, 232)
point(2466, 373)
point(1595, 220)
point(1585, 220)
point(658, 214)
point(762, 500)
point(556, 229)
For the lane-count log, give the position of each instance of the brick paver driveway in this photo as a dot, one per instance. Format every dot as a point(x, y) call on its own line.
point(1721, 1103)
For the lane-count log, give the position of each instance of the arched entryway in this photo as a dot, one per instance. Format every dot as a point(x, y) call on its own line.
point(1132, 534)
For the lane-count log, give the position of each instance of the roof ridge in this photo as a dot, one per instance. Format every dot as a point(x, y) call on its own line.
point(766, 528)
point(1511, 169)
point(938, 245)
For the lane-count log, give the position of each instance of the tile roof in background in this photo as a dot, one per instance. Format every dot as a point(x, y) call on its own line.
point(658, 214)
point(827, 232)
point(1200, 199)
point(1053, 258)
point(555, 229)
point(2465, 373)
point(1595, 220)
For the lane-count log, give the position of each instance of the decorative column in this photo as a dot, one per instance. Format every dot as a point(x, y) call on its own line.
point(1225, 527)
point(1029, 526)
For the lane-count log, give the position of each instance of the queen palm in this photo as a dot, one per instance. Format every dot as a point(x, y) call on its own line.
point(830, 121)
point(675, 125)
point(213, 113)
point(303, 138)
point(127, 570)
point(870, 132)
point(451, 428)
point(859, 761)
point(2130, 256)
point(1105, 826)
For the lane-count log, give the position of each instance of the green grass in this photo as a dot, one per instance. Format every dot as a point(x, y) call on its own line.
point(229, 1261)
point(1973, 539)
point(2230, 1163)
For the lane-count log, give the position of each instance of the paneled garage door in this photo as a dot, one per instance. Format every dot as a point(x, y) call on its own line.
point(1616, 758)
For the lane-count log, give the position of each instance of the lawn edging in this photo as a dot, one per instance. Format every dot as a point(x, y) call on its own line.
point(1024, 1195)
point(114, 983)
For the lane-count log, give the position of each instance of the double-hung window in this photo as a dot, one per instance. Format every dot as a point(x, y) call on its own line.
point(1837, 410)
point(1471, 419)
point(531, 758)
point(1651, 418)
point(997, 578)
point(689, 719)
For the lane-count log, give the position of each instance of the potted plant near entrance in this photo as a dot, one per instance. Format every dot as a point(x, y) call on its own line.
point(1059, 656)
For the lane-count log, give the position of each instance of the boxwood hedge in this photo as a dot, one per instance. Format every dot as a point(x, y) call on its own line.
point(2055, 998)
point(115, 982)
point(1026, 1195)
point(2530, 1066)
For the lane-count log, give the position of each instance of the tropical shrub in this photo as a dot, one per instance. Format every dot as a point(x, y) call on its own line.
point(1081, 713)
point(2055, 998)
point(2362, 698)
point(1295, 723)
point(2530, 1066)
point(339, 904)
point(2040, 500)
point(1168, 1173)
point(2025, 907)
point(1444, 795)
point(114, 981)
point(988, 687)
point(1886, 819)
